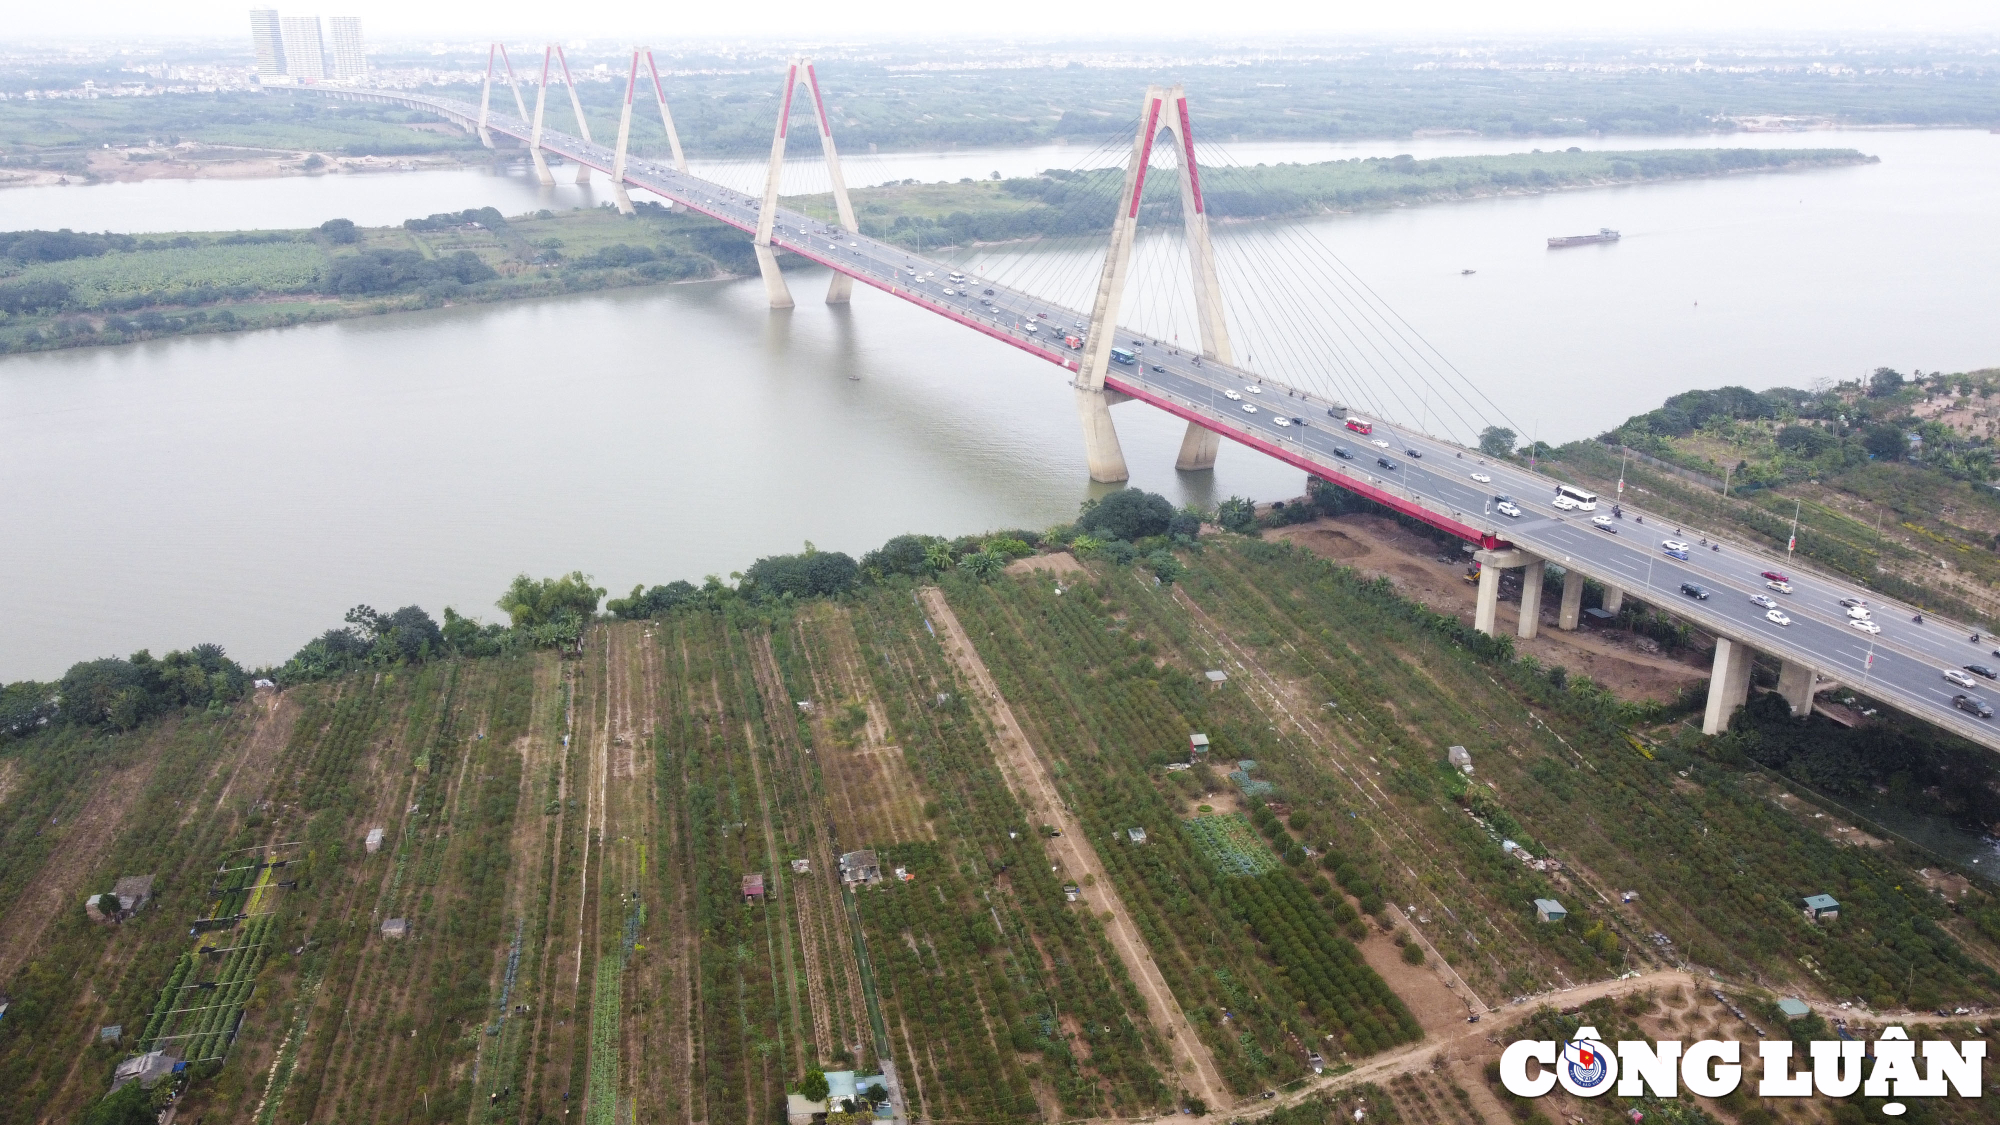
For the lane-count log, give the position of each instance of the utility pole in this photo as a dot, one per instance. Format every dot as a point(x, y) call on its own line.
point(1793, 543)
point(1725, 480)
point(1623, 453)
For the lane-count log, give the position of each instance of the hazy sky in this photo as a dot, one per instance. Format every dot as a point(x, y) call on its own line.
point(1030, 19)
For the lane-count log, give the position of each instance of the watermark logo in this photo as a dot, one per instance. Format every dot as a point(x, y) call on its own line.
point(1587, 1066)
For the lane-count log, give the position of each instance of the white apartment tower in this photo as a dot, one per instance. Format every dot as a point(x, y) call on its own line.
point(305, 55)
point(268, 41)
point(350, 56)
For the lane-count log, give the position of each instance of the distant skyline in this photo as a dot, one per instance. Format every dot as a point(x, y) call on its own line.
point(1031, 20)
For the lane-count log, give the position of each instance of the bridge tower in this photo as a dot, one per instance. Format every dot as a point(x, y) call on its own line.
point(486, 97)
point(842, 286)
point(542, 174)
point(576, 107)
point(1163, 122)
point(625, 128)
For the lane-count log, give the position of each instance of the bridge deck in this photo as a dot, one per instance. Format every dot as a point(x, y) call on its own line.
point(1409, 472)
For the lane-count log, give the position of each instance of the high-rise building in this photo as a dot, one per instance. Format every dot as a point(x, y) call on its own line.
point(269, 42)
point(350, 55)
point(305, 56)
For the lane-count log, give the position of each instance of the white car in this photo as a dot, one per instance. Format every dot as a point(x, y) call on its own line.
point(1868, 627)
point(1482, 478)
point(1232, 396)
point(1255, 390)
point(1564, 503)
point(1858, 612)
point(951, 292)
point(1508, 509)
point(1378, 441)
point(1781, 587)
point(1761, 600)
point(1603, 523)
point(1674, 547)
point(1777, 617)
point(1282, 420)
point(1249, 409)
point(1955, 676)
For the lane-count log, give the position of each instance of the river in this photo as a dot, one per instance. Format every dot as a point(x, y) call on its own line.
point(248, 489)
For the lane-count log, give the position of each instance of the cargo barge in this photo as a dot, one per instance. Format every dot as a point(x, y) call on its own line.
point(1604, 234)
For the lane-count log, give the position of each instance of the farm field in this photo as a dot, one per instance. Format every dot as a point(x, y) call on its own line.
point(1054, 927)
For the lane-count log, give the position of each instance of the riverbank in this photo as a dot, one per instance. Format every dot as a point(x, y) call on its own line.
point(1058, 202)
point(76, 291)
point(190, 160)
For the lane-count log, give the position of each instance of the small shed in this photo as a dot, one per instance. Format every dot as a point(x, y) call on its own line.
point(801, 866)
point(1822, 908)
point(860, 867)
point(133, 891)
point(1794, 1008)
point(1216, 675)
point(1071, 892)
point(1549, 910)
point(1136, 835)
point(753, 887)
point(396, 927)
point(799, 1111)
point(1197, 743)
point(1460, 759)
point(374, 841)
point(111, 1033)
point(146, 1069)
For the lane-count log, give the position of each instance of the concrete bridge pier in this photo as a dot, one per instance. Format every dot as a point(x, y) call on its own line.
point(1198, 449)
point(1572, 603)
point(1614, 599)
point(1485, 610)
point(1100, 438)
point(1530, 623)
point(1728, 684)
point(1797, 683)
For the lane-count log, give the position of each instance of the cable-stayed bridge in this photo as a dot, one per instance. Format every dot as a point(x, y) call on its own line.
point(1811, 633)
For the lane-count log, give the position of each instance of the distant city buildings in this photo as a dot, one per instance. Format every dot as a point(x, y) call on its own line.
point(350, 56)
point(292, 49)
point(305, 55)
point(268, 41)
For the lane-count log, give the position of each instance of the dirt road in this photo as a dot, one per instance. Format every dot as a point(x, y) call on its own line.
point(1031, 784)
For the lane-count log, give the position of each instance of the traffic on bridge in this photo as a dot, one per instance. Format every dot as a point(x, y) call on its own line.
point(1825, 631)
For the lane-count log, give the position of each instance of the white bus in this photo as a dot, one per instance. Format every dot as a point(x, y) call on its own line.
point(1586, 501)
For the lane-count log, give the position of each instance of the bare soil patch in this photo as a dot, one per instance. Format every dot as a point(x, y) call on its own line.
point(1429, 990)
point(1380, 547)
point(1059, 564)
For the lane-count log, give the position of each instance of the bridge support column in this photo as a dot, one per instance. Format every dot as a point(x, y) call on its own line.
point(1614, 599)
point(1530, 623)
point(1572, 603)
point(1485, 610)
point(576, 107)
point(618, 193)
point(1796, 684)
point(542, 174)
point(1100, 438)
point(667, 123)
point(775, 288)
point(486, 98)
point(1198, 449)
point(1728, 684)
point(841, 288)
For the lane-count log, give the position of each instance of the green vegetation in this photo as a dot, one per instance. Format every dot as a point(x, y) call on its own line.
point(1058, 202)
point(740, 727)
point(61, 289)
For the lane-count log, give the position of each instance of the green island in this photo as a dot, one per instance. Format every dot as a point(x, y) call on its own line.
point(68, 289)
point(572, 804)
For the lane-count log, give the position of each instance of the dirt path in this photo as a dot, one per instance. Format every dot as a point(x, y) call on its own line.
point(1035, 789)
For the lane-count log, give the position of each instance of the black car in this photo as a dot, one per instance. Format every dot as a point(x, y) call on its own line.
point(1334, 412)
point(1385, 462)
point(1694, 591)
point(1973, 706)
point(1298, 421)
point(988, 292)
point(1158, 368)
point(1342, 452)
point(1418, 454)
point(1502, 498)
point(1982, 670)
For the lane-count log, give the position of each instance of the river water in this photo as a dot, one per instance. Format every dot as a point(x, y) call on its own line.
point(248, 489)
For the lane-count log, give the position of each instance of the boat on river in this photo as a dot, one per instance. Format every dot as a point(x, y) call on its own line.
point(1604, 234)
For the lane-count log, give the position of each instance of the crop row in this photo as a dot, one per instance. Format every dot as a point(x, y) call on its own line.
point(992, 872)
